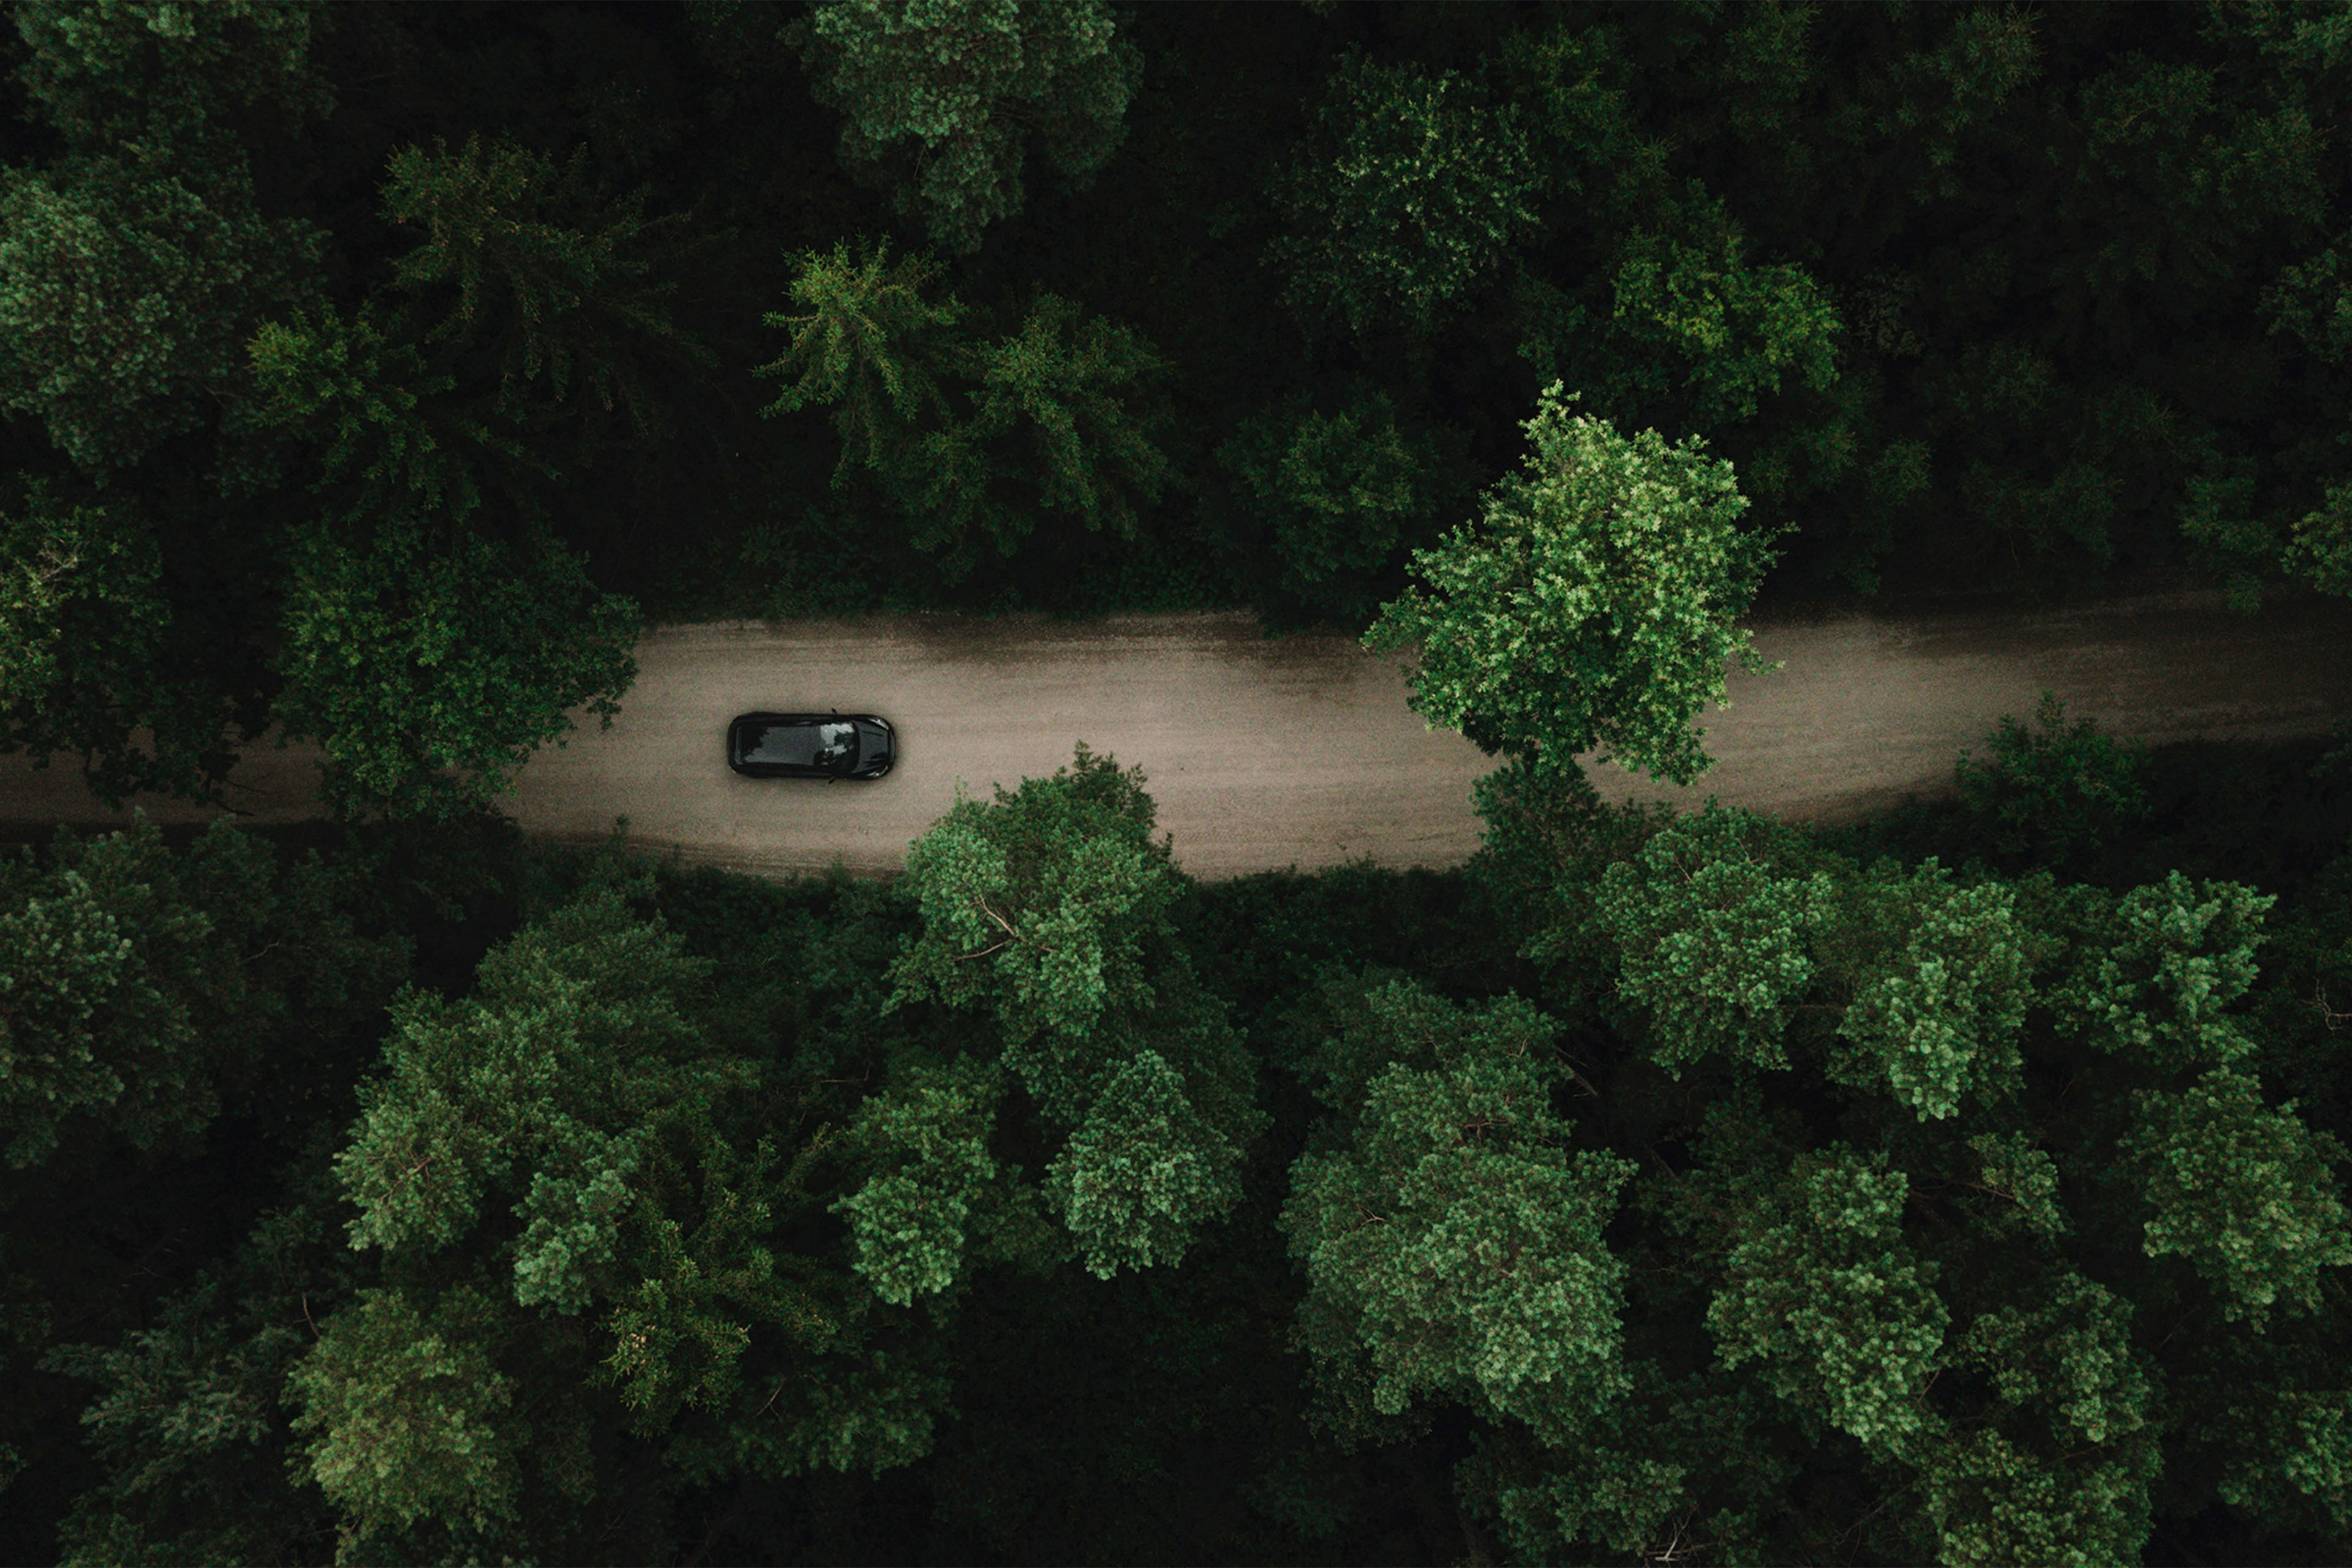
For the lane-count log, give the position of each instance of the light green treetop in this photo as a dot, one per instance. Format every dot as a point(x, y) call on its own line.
point(1593, 604)
point(867, 342)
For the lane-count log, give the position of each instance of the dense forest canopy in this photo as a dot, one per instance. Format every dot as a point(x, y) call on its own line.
point(1965, 1185)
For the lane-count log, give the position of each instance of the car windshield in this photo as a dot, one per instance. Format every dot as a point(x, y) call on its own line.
point(820, 745)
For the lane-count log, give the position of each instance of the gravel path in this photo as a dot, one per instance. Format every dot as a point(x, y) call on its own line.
point(1269, 753)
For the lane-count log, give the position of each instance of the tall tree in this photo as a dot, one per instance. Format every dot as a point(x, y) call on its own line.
point(1409, 191)
point(1049, 910)
point(1969, 1186)
point(1591, 605)
point(944, 96)
point(869, 343)
point(968, 439)
point(586, 1297)
point(1340, 490)
point(552, 279)
point(92, 658)
point(126, 296)
point(436, 633)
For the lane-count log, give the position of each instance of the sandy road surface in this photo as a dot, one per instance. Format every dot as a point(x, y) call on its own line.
point(1264, 753)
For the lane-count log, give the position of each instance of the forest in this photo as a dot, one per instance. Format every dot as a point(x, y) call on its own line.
point(1965, 1184)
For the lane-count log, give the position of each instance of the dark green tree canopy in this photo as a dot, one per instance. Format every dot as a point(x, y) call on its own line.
point(944, 96)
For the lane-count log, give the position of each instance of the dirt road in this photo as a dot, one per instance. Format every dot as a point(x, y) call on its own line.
point(1264, 753)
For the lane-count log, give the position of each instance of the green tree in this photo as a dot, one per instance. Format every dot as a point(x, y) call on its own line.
point(187, 1421)
point(430, 668)
point(91, 661)
point(1969, 1186)
point(127, 295)
point(1340, 493)
point(944, 96)
point(970, 439)
point(2055, 790)
point(435, 632)
point(1593, 603)
point(580, 1202)
point(118, 71)
point(1453, 1244)
point(867, 342)
point(1408, 191)
point(552, 278)
point(1049, 909)
point(138, 987)
point(1061, 421)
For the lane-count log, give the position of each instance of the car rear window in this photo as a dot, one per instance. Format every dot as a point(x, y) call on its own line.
point(804, 746)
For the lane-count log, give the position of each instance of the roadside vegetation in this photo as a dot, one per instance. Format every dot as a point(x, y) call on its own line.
point(1965, 1185)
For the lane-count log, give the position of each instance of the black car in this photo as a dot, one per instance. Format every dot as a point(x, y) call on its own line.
point(811, 745)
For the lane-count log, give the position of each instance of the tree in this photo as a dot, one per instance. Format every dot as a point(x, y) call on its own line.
point(970, 439)
point(1049, 909)
point(91, 658)
point(430, 667)
point(1452, 1244)
point(1059, 422)
point(2055, 790)
point(1593, 603)
point(132, 270)
point(140, 987)
point(580, 1206)
point(1409, 191)
point(868, 343)
point(121, 71)
point(552, 278)
point(1339, 491)
point(188, 1422)
point(1970, 1184)
point(126, 296)
point(434, 631)
point(943, 97)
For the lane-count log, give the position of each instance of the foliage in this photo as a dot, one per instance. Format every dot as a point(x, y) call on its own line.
point(1592, 604)
point(187, 1422)
point(1060, 889)
point(406, 1410)
point(430, 668)
point(2054, 791)
point(86, 654)
point(868, 343)
point(559, 280)
point(1891, 1128)
point(1456, 1241)
point(1978, 1213)
point(970, 440)
point(1738, 329)
point(943, 96)
point(1408, 192)
point(126, 295)
point(574, 1192)
point(137, 986)
point(1059, 886)
point(128, 70)
point(1340, 493)
point(1058, 424)
point(1713, 943)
